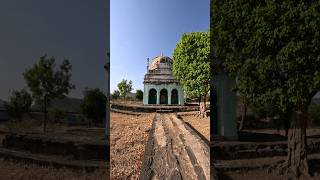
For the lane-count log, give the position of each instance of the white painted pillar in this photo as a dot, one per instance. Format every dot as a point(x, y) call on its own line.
point(226, 106)
point(169, 95)
point(158, 95)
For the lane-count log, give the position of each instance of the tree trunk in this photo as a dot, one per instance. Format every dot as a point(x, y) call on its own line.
point(45, 115)
point(243, 117)
point(297, 163)
point(286, 124)
point(203, 107)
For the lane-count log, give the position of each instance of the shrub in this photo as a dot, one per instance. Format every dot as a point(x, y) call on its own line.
point(57, 114)
point(139, 94)
point(314, 113)
point(93, 106)
point(115, 94)
point(19, 104)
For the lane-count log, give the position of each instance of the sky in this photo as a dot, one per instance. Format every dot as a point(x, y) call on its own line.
point(77, 30)
point(144, 29)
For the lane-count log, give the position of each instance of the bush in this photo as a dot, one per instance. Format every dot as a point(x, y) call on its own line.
point(57, 114)
point(19, 104)
point(249, 121)
point(93, 106)
point(314, 113)
point(115, 94)
point(139, 94)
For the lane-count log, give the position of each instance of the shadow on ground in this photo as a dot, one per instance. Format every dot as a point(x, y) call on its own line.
point(259, 137)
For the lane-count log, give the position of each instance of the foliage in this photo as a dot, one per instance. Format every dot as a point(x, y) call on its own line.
point(19, 103)
point(314, 113)
point(139, 94)
point(94, 105)
point(115, 94)
point(57, 114)
point(125, 87)
point(274, 42)
point(191, 65)
point(272, 47)
point(46, 82)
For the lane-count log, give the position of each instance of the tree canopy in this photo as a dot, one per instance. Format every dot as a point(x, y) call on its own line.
point(191, 65)
point(273, 48)
point(139, 94)
point(115, 94)
point(94, 105)
point(125, 87)
point(19, 103)
point(47, 82)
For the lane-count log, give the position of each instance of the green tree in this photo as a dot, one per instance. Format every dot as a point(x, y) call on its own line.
point(139, 94)
point(19, 103)
point(46, 82)
point(191, 65)
point(115, 94)
point(125, 87)
point(94, 105)
point(272, 47)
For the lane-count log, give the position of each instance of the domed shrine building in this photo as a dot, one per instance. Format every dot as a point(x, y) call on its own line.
point(160, 86)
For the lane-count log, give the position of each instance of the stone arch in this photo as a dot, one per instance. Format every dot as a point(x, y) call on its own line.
point(174, 96)
point(163, 96)
point(152, 99)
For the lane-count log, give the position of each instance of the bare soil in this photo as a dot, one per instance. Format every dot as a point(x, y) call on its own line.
point(178, 151)
point(128, 137)
point(11, 169)
point(56, 130)
point(202, 125)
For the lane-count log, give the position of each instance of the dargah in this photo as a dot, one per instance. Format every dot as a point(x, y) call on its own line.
point(160, 86)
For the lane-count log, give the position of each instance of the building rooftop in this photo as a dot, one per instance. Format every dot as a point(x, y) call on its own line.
point(160, 71)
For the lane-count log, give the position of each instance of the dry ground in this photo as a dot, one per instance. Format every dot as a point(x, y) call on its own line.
point(17, 170)
point(128, 136)
point(10, 169)
point(54, 130)
point(202, 125)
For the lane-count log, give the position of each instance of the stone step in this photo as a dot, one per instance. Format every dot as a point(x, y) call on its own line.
point(55, 161)
point(164, 111)
point(247, 150)
point(247, 164)
point(262, 163)
point(125, 112)
point(52, 146)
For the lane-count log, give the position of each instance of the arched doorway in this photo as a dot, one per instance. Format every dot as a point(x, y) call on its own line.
point(163, 96)
point(152, 96)
point(174, 97)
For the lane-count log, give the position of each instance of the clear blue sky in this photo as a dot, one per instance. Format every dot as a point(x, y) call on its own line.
point(144, 29)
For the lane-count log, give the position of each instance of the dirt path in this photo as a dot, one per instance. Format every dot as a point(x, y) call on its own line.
point(175, 151)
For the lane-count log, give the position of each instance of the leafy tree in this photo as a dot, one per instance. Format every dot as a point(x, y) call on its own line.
point(273, 49)
point(57, 114)
point(125, 87)
point(94, 105)
point(115, 94)
point(191, 65)
point(139, 94)
point(19, 103)
point(46, 82)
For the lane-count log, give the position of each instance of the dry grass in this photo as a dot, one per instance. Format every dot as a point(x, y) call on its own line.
point(18, 170)
point(202, 125)
point(128, 136)
point(56, 130)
